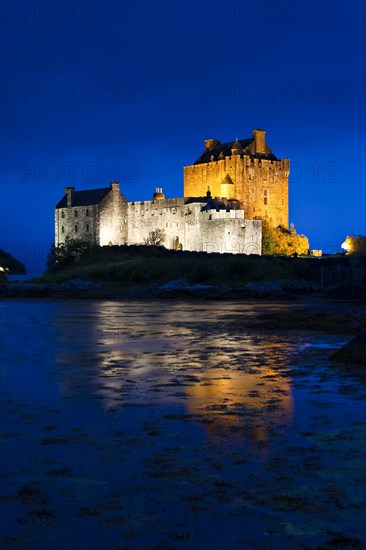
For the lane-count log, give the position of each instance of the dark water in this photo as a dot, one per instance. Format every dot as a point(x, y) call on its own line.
point(175, 425)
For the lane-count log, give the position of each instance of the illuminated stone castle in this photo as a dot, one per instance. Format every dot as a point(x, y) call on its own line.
point(245, 170)
point(226, 181)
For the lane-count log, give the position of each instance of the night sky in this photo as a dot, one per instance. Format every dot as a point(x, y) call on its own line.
point(128, 91)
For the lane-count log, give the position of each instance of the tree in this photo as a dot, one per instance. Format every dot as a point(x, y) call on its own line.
point(279, 240)
point(10, 264)
point(355, 245)
point(155, 238)
point(68, 253)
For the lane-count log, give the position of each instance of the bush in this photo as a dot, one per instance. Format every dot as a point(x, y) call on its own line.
point(10, 264)
point(355, 245)
point(67, 254)
point(155, 238)
point(283, 241)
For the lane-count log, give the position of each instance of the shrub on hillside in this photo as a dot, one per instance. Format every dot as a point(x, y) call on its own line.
point(10, 264)
point(68, 253)
point(355, 245)
point(280, 240)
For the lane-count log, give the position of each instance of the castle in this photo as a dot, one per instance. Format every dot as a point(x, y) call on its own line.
point(227, 181)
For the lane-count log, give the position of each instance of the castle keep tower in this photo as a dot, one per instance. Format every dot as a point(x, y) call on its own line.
point(247, 171)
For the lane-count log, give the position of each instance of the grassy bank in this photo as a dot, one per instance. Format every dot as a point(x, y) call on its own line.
point(143, 266)
point(148, 265)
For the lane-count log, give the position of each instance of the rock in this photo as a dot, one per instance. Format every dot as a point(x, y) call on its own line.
point(177, 284)
point(80, 285)
point(278, 286)
point(354, 351)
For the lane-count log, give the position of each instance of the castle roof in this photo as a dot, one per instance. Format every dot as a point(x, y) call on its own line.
point(225, 149)
point(85, 198)
point(214, 203)
point(227, 180)
point(236, 145)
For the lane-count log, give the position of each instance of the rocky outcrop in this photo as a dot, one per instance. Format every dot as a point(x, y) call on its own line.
point(354, 352)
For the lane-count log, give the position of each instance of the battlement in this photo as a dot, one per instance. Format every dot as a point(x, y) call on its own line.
point(244, 170)
point(226, 190)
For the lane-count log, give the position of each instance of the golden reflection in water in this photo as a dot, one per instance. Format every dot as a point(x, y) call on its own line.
point(232, 383)
point(246, 404)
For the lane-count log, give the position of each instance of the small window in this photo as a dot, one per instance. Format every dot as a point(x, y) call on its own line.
point(62, 229)
point(265, 198)
point(76, 228)
point(87, 227)
point(62, 214)
point(76, 213)
point(87, 212)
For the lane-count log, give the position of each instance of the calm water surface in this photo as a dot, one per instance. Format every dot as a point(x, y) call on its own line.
point(175, 425)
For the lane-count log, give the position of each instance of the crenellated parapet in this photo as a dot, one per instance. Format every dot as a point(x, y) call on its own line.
point(259, 180)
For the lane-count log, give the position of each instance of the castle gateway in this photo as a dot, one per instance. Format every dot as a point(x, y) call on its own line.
point(229, 186)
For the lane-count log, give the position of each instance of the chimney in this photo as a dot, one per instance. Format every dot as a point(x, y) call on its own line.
point(260, 141)
point(69, 192)
point(158, 195)
point(211, 143)
point(114, 185)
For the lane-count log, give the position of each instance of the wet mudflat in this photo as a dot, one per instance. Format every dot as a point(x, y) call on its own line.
point(165, 425)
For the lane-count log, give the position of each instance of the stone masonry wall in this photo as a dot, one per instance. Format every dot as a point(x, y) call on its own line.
point(196, 230)
point(116, 221)
point(113, 218)
point(79, 222)
point(261, 186)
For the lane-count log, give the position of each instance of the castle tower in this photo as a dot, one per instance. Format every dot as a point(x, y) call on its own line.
point(246, 170)
point(227, 188)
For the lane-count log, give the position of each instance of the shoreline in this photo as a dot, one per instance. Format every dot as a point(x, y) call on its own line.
point(281, 290)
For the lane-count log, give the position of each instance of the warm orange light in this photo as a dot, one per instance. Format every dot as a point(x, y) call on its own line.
point(347, 245)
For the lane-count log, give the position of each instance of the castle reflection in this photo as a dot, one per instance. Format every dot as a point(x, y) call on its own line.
point(235, 385)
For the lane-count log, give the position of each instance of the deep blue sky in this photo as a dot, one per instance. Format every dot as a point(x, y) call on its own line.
point(97, 91)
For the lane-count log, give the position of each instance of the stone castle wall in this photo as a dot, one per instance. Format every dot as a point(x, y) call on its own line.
point(79, 222)
point(100, 224)
point(260, 185)
point(187, 225)
point(113, 218)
